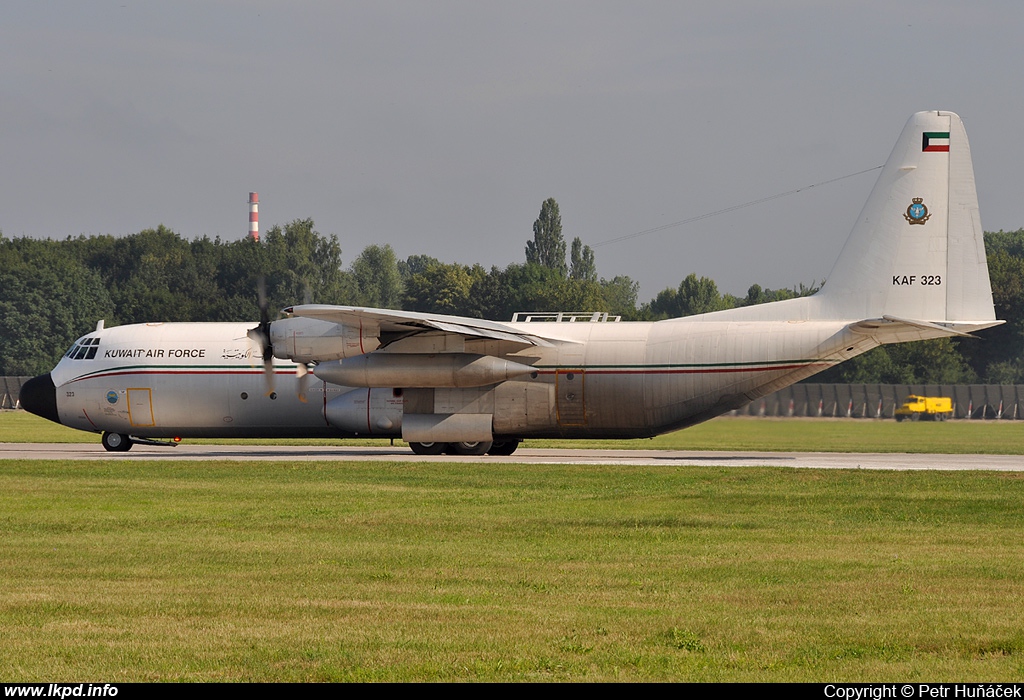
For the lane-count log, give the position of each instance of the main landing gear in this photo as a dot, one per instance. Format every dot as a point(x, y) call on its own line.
point(503, 448)
point(116, 442)
point(498, 447)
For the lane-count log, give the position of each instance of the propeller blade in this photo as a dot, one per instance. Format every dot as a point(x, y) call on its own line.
point(256, 334)
point(261, 334)
point(268, 374)
point(302, 376)
point(261, 297)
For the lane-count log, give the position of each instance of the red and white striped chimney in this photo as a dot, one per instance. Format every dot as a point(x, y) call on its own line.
point(254, 216)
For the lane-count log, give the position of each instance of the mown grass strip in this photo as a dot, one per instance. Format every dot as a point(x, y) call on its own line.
point(415, 572)
point(726, 433)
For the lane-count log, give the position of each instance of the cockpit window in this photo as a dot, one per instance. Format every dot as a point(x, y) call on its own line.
point(84, 349)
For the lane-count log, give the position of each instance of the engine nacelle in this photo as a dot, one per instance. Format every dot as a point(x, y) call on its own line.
point(367, 412)
point(312, 340)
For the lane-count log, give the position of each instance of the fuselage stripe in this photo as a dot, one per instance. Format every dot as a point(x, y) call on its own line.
point(590, 370)
point(167, 372)
point(675, 365)
point(690, 370)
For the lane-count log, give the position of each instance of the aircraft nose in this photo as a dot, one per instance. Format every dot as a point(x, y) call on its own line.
point(39, 396)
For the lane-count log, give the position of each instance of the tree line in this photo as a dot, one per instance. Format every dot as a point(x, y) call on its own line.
point(52, 292)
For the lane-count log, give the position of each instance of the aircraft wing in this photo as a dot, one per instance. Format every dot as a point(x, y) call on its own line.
point(410, 322)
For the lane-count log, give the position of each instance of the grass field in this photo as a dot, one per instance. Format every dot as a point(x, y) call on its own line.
point(121, 571)
point(726, 433)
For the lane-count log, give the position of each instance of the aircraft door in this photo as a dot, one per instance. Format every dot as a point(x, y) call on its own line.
point(571, 403)
point(140, 408)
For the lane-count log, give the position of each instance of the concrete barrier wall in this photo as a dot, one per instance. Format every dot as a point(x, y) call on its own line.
point(975, 401)
point(10, 387)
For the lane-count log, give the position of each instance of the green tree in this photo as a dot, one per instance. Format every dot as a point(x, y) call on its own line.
point(151, 275)
point(155, 275)
point(415, 264)
point(547, 248)
point(581, 258)
point(1005, 372)
point(301, 265)
point(620, 294)
point(441, 288)
point(1001, 349)
point(240, 265)
point(579, 295)
point(694, 296)
point(48, 299)
point(757, 295)
point(376, 278)
point(492, 295)
point(924, 362)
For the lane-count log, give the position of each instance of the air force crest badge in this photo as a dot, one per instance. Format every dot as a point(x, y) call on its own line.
point(917, 212)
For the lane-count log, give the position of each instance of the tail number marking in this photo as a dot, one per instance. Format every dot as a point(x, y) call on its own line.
point(923, 280)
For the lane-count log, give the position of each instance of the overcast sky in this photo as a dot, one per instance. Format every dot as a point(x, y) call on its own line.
point(440, 127)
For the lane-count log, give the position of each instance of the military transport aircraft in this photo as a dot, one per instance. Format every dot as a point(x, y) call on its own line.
point(913, 268)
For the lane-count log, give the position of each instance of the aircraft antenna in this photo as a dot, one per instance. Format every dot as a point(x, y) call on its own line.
point(734, 207)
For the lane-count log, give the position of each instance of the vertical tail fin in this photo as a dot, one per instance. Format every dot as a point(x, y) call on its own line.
point(917, 250)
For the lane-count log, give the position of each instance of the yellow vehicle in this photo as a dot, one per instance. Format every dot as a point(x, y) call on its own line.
point(937, 408)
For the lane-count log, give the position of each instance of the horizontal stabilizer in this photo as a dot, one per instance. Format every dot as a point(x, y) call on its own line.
point(890, 329)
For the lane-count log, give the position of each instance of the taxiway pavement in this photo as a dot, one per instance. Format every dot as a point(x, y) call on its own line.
point(401, 453)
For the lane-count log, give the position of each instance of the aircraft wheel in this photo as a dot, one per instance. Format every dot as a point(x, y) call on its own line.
point(469, 448)
point(116, 442)
point(428, 448)
point(503, 448)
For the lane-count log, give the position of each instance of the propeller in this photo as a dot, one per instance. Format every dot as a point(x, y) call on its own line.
point(261, 334)
point(302, 369)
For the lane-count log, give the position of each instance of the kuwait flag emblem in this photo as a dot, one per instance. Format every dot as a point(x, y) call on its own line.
point(935, 141)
